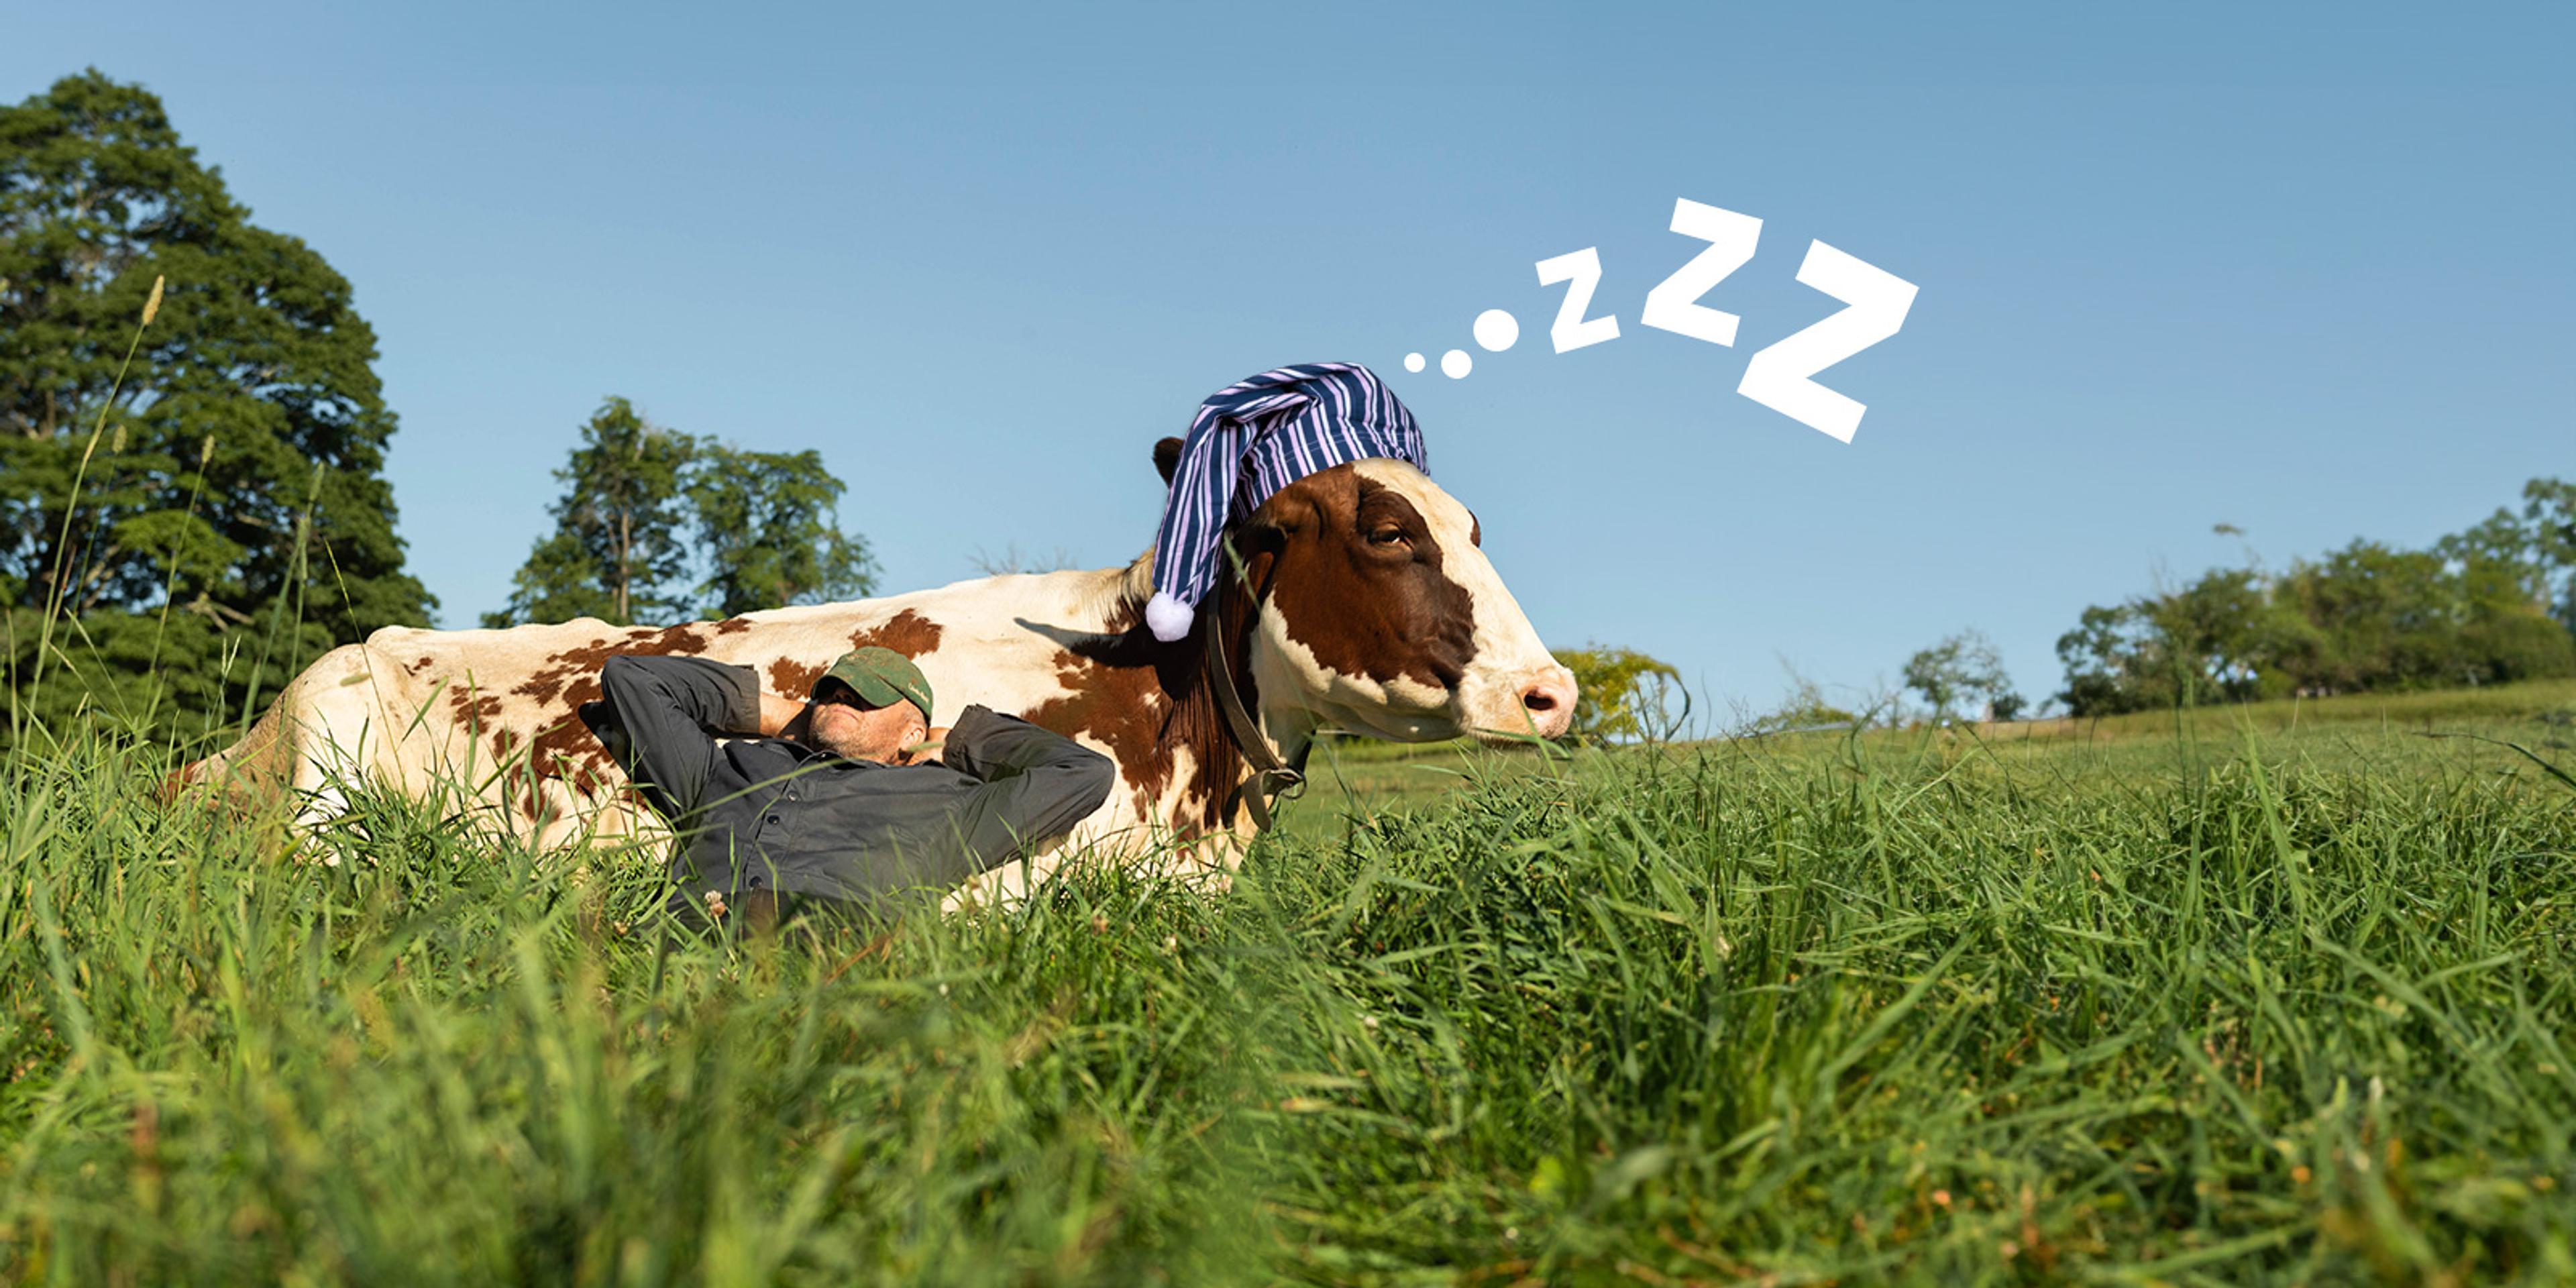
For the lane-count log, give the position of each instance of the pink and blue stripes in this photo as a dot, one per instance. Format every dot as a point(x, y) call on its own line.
point(1259, 435)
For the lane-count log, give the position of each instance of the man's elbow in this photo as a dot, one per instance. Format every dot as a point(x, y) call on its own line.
point(1086, 787)
point(618, 674)
point(1097, 779)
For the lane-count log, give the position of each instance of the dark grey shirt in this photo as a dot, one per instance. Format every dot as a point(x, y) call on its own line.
point(768, 814)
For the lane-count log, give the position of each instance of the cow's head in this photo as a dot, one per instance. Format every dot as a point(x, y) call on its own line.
point(1379, 613)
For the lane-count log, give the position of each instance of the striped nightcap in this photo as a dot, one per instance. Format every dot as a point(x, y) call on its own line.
point(1251, 439)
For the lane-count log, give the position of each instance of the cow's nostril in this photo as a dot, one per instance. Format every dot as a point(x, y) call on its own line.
point(1547, 702)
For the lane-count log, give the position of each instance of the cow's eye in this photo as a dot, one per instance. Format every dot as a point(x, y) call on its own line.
point(1387, 536)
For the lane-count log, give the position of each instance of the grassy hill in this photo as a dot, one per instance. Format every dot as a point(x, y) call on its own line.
point(2265, 995)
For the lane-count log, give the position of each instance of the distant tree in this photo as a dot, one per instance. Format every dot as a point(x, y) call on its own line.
point(2549, 511)
point(646, 508)
point(2214, 632)
point(1806, 707)
point(618, 549)
point(239, 457)
point(2501, 546)
point(1962, 668)
point(768, 533)
point(1622, 694)
point(2112, 662)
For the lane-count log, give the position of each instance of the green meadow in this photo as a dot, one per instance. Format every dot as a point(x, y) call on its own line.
point(2282, 993)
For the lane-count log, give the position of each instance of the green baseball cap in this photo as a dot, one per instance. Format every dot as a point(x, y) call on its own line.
point(881, 677)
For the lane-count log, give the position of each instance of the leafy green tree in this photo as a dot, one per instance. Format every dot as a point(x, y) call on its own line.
point(617, 551)
point(213, 463)
point(1962, 668)
point(767, 532)
point(645, 508)
point(2549, 513)
point(1622, 694)
point(2112, 662)
point(1805, 707)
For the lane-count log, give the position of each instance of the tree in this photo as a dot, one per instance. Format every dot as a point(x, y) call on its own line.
point(767, 532)
point(2110, 662)
point(617, 551)
point(2549, 511)
point(1961, 668)
point(215, 461)
point(645, 508)
point(1623, 694)
point(1805, 707)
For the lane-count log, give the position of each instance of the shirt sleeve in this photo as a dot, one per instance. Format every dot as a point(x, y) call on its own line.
point(657, 717)
point(1037, 783)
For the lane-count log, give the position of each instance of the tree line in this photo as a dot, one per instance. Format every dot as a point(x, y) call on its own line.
point(2488, 605)
point(2491, 604)
point(192, 441)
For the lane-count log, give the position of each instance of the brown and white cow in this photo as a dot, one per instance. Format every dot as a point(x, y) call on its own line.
point(1364, 604)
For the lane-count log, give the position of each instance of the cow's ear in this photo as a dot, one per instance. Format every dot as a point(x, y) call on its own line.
point(1167, 458)
point(1288, 511)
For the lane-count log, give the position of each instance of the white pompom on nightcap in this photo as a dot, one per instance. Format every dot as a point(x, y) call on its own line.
point(1168, 617)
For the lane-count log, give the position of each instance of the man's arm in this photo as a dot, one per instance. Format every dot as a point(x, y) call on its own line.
point(1038, 783)
point(657, 717)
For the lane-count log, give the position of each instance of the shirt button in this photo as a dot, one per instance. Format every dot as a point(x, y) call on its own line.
point(773, 819)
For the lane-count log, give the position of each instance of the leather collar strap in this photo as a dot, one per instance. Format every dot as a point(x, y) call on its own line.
point(1270, 777)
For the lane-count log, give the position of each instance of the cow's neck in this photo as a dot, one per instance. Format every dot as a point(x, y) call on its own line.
point(1283, 730)
point(1155, 706)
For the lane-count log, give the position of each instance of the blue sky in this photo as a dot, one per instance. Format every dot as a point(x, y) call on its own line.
point(2305, 271)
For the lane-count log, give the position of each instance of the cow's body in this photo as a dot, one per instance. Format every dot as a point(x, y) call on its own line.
point(1309, 643)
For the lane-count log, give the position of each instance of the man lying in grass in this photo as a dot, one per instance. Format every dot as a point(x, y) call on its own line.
point(835, 801)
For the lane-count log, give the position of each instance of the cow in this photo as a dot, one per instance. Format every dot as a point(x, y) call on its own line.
point(1358, 599)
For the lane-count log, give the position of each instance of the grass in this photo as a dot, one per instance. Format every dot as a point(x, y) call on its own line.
point(2361, 732)
point(2224, 1001)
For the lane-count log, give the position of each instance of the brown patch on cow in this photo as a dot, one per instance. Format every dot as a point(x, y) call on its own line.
point(561, 668)
point(473, 708)
point(733, 626)
point(791, 678)
point(907, 632)
point(1145, 700)
point(421, 665)
point(564, 749)
point(1357, 576)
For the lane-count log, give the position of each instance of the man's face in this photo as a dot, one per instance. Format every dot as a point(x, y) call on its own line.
point(838, 722)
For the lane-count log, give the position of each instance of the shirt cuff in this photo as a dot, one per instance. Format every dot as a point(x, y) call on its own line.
point(960, 750)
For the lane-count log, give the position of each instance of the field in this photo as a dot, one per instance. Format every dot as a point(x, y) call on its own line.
point(2266, 995)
